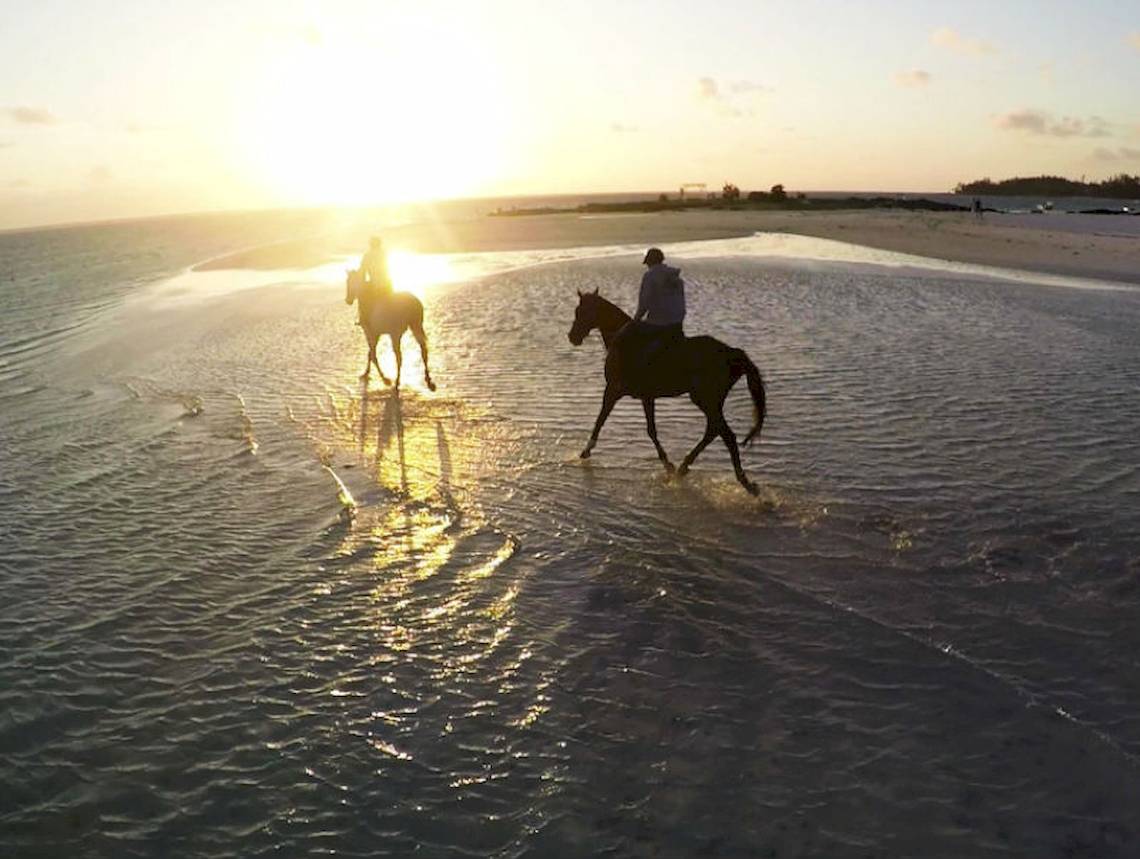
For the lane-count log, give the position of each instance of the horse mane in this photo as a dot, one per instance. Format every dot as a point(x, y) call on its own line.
point(607, 304)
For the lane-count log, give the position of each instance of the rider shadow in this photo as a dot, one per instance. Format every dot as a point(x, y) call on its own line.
point(392, 425)
point(362, 434)
point(445, 466)
point(389, 426)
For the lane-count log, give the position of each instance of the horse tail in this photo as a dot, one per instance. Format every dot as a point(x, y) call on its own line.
point(742, 366)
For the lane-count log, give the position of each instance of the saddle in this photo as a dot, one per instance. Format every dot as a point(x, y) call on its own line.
point(650, 349)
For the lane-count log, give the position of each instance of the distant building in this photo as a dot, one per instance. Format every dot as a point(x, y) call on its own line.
point(692, 186)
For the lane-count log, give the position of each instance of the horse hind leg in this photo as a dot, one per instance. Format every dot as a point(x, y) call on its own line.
point(729, 438)
point(421, 338)
point(711, 431)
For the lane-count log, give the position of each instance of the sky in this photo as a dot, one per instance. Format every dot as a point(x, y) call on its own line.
point(128, 108)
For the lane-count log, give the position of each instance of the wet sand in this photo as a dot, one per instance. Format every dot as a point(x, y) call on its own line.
point(1080, 245)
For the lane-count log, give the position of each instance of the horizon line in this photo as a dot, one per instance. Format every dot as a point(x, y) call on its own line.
point(129, 219)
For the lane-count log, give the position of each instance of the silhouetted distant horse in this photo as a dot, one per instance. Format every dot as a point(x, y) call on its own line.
point(702, 367)
point(391, 314)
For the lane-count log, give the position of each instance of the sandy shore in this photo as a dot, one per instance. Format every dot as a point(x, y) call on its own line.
point(1073, 247)
point(1084, 246)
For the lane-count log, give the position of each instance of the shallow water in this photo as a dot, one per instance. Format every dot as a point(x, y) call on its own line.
point(249, 606)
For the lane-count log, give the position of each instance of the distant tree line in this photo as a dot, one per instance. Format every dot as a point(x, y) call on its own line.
point(776, 195)
point(731, 197)
point(731, 193)
point(1122, 186)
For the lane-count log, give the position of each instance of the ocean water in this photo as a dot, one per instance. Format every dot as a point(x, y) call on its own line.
point(250, 606)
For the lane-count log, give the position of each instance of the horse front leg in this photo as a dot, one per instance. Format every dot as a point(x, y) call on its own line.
point(609, 399)
point(369, 359)
point(650, 406)
point(376, 363)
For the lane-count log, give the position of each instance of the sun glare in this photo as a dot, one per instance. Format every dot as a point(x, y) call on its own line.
point(417, 273)
point(333, 124)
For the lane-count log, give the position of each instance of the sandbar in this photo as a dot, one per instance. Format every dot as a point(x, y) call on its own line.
point(1091, 246)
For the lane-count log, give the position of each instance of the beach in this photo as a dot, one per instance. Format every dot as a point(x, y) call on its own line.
point(251, 605)
point(1094, 246)
point(338, 514)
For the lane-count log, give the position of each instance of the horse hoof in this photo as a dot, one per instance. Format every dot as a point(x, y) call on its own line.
point(683, 470)
point(363, 377)
point(670, 468)
point(751, 488)
point(430, 385)
point(585, 454)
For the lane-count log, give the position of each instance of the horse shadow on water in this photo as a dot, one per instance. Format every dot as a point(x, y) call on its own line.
point(702, 367)
point(391, 430)
point(389, 426)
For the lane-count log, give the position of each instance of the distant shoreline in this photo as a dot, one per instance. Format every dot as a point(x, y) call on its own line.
point(754, 202)
point(631, 201)
point(764, 203)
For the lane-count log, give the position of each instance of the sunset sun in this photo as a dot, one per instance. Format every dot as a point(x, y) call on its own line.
point(330, 123)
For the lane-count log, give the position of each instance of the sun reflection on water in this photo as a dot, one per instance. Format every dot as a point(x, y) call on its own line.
point(445, 587)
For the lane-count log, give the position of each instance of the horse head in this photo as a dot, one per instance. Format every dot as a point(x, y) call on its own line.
point(351, 285)
point(585, 316)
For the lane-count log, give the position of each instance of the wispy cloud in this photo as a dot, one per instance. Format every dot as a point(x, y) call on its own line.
point(100, 173)
point(952, 40)
point(708, 92)
point(1039, 122)
point(6, 144)
point(1133, 39)
point(707, 89)
point(730, 100)
point(30, 115)
point(747, 87)
point(622, 128)
point(19, 183)
point(913, 78)
point(1120, 153)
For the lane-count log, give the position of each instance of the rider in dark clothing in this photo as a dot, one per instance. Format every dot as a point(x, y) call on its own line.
point(656, 324)
point(661, 300)
point(374, 265)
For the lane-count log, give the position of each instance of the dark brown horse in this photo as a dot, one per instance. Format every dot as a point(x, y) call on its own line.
point(390, 313)
point(702, 367)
